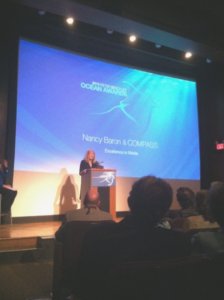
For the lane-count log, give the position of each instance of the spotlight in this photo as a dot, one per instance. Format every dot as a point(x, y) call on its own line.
point(158, 46)
point(70, 20)
point(132, 38)
point(188, 54)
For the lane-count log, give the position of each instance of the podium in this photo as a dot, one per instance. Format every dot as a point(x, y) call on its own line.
point(105, 181)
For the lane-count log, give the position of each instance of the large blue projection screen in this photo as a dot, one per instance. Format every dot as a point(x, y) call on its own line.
point(137, 122)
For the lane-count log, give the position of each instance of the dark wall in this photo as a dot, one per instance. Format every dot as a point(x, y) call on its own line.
point(8, 73)
point(95, 42)
point(3, 100)
point(210, 83)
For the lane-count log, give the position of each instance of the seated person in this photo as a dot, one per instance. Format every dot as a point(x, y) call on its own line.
point(186, 199)
point(212, 242)
point(69, 239)
point(201, 203)
point(6, 191)
point(204, 220)
point(139, 236)
point(91, 210)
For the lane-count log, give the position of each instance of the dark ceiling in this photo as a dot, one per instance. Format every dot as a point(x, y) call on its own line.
point(181, 25)
point(201, 20)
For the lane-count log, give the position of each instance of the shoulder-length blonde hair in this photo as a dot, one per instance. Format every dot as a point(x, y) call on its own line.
point(87, 155)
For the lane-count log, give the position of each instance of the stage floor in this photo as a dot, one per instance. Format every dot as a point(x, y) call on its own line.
point(14, 237)
point(25, 236)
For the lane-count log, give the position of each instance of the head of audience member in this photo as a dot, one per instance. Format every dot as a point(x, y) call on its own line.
point(185, 197)
point(216, 202)
point(149, 200)
point(92, 199)
point(201, 203)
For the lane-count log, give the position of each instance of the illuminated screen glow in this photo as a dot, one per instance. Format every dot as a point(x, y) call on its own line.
point(137, 122)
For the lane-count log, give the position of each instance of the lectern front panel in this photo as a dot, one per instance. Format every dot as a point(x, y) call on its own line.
point(103, 178)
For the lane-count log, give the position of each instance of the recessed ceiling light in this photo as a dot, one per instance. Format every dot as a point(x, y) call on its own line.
point(70, 20)
point(188, 54)
point(132, 38)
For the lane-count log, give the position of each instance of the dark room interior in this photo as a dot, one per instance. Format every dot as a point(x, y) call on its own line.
point(165, 31)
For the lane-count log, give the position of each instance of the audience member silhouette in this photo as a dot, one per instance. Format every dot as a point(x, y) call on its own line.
point(182, 218)
point(70, 235)
point(204, 220)
point(138, 236)
point(186, 199)
point(212, 242)
point(91, 210)
point(201, 203)
point(194, 212)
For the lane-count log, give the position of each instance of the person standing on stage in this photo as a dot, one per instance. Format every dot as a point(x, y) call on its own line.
point(3, 172)
point(7, 193)
point(89, 162)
